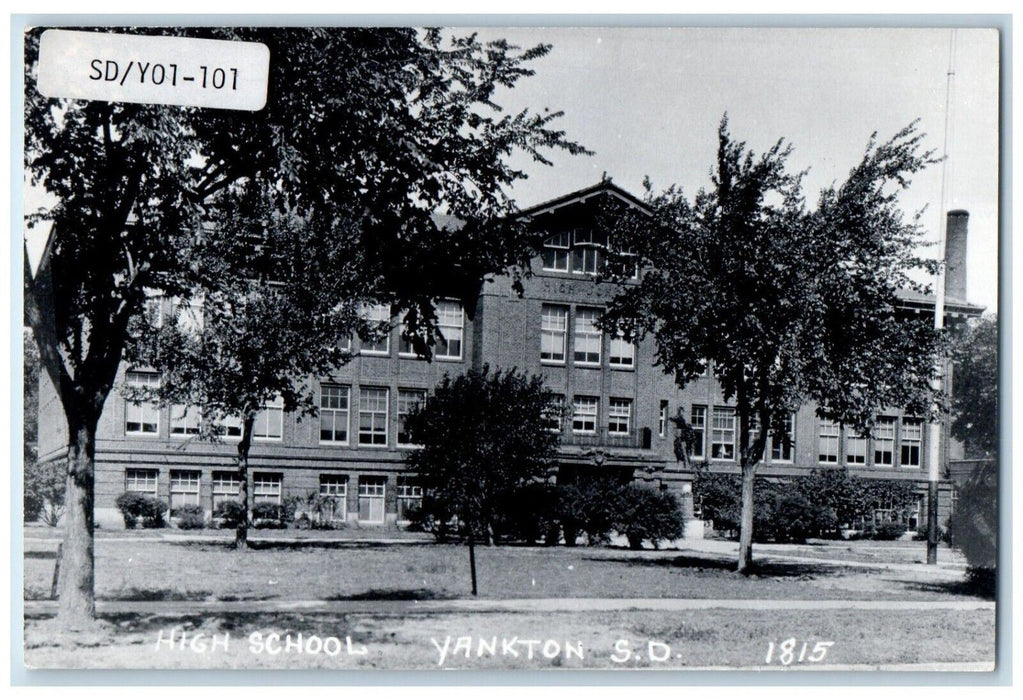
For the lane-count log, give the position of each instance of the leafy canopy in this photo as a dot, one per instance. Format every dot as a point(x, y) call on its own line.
point(483, 435)
point(369, 130)
point(791, 305)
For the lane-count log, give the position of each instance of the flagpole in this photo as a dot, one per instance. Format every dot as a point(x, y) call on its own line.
point(934, 447)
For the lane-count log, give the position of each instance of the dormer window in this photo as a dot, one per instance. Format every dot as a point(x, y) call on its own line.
point(555, 252)
point(587, 252)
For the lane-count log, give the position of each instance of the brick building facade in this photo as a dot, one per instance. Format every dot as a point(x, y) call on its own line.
point(620, 418)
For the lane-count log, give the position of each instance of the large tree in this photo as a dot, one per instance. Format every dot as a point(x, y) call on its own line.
point(375, 130)
point(483, 436)
point(975, 387)
point(790, 305)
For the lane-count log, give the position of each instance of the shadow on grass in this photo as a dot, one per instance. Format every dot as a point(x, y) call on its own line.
point(156, 595)
point(726, 565)
point(962, 588)
point(41, 554)
point(395, 594)
point(293, 545)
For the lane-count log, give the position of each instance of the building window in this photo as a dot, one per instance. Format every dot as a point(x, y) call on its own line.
point(410, 498)
point(373, 416)
point(698, 422)
point(555, 252)
point(781, 448)
point(450, 320)
point(229, 427)
point(619, 416)
point(855, 450)
point(884, 442)
point(371, 498)
point(912, 437)
point(587, 252)
point(142, 417)
point(722, 434)
point(378, 316)
point(554, 412)
point(553, 333)
point(662, 419)
point(184, 420)
point(226, 486)
point(586, 349)
point(266, 488)
point(269, 423)
point(584, 414)
point(408, 399)
point(153, 308)
point(184, 488)
point(189, 315)
point(334, 414)
point(827, 442)
point(622, 353)
point(142, 481)
point(334, 489)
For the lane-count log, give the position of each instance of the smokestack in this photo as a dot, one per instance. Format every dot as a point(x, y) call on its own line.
point(955, 254)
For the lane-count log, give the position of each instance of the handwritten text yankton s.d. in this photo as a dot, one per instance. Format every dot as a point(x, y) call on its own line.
point(166, 70)
point(268, 643)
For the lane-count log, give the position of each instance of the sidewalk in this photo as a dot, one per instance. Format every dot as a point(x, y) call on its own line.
point(46, 608)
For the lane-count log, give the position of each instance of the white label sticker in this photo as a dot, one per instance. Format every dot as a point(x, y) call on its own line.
point(161, 70)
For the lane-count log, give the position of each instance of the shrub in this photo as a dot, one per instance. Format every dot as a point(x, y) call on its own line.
point(231, 514)
point(44, 491)
point(646, 514)
point(886, 531)
point(268, 516)
point(190, 517)
point(795, 519)
point(136, 507)
point(974, 525)
point(529, 514)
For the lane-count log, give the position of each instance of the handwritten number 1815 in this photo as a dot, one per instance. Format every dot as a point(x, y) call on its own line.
point(787, 652)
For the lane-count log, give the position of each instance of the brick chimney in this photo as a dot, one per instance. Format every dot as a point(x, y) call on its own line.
point(955, 254)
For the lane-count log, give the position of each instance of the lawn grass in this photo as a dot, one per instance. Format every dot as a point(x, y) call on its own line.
point(695, 638)
point(131, 569)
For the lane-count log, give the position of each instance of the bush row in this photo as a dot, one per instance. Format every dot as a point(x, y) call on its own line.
point(139, 509)
point(592, 509)
point(818, 504)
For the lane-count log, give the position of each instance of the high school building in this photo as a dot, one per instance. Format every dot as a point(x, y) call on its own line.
point(619, 420)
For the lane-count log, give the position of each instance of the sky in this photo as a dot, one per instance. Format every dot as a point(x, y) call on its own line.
point(648, 102)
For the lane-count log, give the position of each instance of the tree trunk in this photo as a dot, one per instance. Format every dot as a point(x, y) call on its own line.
point(746, 521)
point(241, 534)
point(76, 608)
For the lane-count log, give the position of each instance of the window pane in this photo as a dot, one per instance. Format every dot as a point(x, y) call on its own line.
point(269, 423)
point(408, 399)
point(373, 416)
point(587, 336)
point(450, 321)
point(553, 333)
point(698, 422)
point(184, 488)
point(379, 316)
point(884, 442)
point(623, 352)
point(266, 488)
point(619, 416)
point(184, 420)
point(827, 442)
point(334, 413)
point(781, 449)
point(584, 414)
point(142, 417)
point(722, 434)
point(141, 481)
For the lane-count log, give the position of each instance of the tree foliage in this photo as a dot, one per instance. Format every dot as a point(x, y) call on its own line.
point(791, 305)
point(483, 436)
point(975, 388)
point(367, 132)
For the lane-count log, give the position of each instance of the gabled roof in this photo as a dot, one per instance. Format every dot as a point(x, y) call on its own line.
point(603, 188)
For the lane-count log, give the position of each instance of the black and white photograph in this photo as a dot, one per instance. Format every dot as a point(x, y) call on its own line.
point(508, 348)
